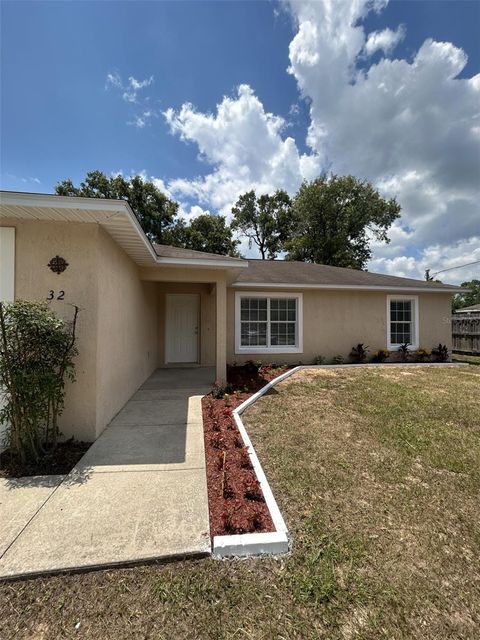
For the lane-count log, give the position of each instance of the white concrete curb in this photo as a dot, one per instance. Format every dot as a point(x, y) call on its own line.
point(276, 542)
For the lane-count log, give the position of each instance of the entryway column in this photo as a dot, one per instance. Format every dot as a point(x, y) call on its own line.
point(221, 331)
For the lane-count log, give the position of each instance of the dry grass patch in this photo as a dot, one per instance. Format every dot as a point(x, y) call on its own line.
point(377, 475)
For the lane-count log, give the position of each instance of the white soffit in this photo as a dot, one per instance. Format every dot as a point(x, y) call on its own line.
point(115, 216)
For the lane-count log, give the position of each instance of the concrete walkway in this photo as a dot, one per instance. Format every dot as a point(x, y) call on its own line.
point(138, 494)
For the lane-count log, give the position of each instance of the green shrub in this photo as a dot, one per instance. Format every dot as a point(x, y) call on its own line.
point(253, 366)
point(359, 353)
point(220, 390)
point(381, 355)
point(319, 360)
point(338, 359)
point(403, 352)
point(37, 350)
point(422, 355)
point(440, 353)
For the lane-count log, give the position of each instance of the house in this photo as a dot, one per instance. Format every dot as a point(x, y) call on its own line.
point(472, 311)
point(146, 306)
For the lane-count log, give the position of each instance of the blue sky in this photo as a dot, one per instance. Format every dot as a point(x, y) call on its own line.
point(61, 116)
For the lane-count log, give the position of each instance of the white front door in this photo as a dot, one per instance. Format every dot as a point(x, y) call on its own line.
point(181, 336)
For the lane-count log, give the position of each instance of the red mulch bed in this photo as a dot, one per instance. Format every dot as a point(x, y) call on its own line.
point(236, 502)
point(59, 462)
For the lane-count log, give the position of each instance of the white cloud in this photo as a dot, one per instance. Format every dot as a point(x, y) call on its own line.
point(436, 258)
point(141, 119)
point(245, 146)
point(385, 40)
point(410, 127)
point(129, 89)
point(134, 86)
point(130, 94)
point(113, 80)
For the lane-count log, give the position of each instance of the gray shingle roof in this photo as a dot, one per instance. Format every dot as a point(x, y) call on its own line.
point(302, 273)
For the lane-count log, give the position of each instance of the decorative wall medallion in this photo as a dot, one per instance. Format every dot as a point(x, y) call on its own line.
point(58, 264)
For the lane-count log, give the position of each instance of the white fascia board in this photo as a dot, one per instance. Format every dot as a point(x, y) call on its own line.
point(202, 262)
point(116, 208)
point(351, 287)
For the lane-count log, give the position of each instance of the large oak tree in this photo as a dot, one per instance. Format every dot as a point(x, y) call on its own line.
point(264, 220)
point(334, 220)
point(155, 212)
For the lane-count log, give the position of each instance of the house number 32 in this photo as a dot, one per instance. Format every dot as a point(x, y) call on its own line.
point(52, 296)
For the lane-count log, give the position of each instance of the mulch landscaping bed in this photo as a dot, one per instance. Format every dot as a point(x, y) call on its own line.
point(235, 499)
point(60, 462)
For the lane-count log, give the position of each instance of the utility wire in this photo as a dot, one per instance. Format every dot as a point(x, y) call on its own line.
point(460, 266)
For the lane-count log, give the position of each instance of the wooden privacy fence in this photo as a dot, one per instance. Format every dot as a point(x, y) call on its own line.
point(466, 334)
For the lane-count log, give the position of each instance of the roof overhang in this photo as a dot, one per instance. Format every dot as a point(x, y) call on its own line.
point(348, 287)
point(115, 216)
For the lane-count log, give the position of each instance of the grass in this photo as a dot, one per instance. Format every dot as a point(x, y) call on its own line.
point(459, 357)
point(377, 473)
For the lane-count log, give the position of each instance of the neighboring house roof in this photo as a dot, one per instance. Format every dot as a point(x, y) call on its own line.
point(282, 273)
point(166, 251)
point(474, 308)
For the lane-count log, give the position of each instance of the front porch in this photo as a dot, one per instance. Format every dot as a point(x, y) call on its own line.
point(191, 311)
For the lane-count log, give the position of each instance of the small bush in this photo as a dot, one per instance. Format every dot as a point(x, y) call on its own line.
point(381, 355)
point(403, 352)
point(441, 353)
point(338, 359)
point(253, 366)
point(422, 355)
point(359, 353)
point(319, 360)
point(220, 390)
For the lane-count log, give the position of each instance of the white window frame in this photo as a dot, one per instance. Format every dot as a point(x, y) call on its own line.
point(415, 319)
point(298, 348)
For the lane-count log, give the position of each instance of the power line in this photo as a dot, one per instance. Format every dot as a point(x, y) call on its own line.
point(460, 266)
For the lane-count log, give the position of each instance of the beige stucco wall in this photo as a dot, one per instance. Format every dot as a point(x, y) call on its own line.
point(334, 321)
point(35, 244)
point(127, 343)
point(117, 329)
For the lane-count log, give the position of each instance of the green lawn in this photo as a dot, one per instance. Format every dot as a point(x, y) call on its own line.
point(458, 357)
point(377, 473)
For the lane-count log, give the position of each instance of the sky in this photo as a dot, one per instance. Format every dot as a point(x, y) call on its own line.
point(212, 99)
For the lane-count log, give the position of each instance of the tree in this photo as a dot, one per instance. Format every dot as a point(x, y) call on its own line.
point(264, 220)
point(468, 298)
point(155, 212)
point(334, 219)
point(37, 350)
point(207, 232)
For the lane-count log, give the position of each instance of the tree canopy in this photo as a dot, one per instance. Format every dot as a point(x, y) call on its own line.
point(155, 212)
point(265, 220)
point(468, 298)
point(334, 219)
point(206, 232)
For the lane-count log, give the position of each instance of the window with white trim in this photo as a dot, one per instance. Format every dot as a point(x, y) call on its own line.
point(402, 321)
point(268, 323)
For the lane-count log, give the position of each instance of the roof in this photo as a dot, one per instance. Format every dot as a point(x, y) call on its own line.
point(118, 219)
point(286, 274)
point(472, 309)
point(115, 217)
point(167, 251)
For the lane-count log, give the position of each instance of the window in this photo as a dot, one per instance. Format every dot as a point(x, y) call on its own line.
point(402, 314)
point(268, 323)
